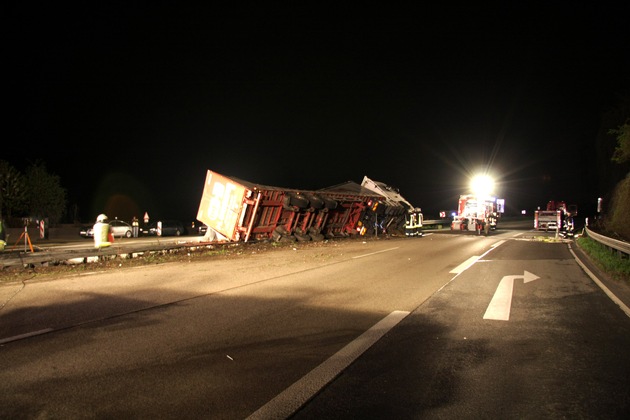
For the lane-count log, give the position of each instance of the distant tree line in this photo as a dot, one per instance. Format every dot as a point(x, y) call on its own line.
point(34, 194)
point(616, 178)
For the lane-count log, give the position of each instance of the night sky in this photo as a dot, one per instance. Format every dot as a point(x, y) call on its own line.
point(132, 104)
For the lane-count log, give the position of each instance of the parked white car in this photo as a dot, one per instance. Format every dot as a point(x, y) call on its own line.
point(120, 229)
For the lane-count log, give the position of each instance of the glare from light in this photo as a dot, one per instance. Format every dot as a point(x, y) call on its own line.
point(482, 185)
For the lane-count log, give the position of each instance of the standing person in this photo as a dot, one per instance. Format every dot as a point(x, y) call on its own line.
point(135, 226)
point(101, 232)
point(3, 234)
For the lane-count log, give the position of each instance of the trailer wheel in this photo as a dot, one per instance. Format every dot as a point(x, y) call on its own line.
point(281, 234)
point(317, 237)
point(295, 200)
point(329, 203)
point(315, 201)
point(302, 237)
point(282, 230)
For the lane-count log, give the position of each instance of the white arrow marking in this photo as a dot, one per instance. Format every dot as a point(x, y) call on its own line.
point(501, 303)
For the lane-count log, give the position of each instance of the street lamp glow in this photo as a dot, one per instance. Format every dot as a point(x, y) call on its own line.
point(482, 185)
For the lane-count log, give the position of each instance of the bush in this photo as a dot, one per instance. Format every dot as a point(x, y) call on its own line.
point(618, 220)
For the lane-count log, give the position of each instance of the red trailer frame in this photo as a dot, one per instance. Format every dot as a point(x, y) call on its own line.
point(242, 211)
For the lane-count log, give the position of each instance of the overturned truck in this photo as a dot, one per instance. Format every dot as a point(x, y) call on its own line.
point(239, 210)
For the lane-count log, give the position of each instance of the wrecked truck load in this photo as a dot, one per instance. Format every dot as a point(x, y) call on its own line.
point(239, 210)
point(398, 214)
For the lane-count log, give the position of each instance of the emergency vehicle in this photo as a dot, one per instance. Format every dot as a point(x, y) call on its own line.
point(556, 216)
point(477, 213)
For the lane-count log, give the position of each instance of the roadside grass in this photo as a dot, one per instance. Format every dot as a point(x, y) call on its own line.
point(607, 260)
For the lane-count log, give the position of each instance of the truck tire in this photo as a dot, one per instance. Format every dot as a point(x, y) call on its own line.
point(317, 237)
point(329, 203)
point(281, 234)
point(292, 200)
point(302, 237)
point(276, 236)
point(315, 201)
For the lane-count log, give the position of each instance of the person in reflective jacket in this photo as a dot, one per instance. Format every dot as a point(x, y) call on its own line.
point(101, 232)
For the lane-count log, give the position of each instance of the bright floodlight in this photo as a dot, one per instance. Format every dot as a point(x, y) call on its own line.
point(482, 185)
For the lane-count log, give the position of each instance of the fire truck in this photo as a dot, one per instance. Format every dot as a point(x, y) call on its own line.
point(477, 213)
point(556, 216)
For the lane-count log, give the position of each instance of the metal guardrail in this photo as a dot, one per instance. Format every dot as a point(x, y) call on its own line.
point(442, 222)
point(620, 246)
point(17, 258)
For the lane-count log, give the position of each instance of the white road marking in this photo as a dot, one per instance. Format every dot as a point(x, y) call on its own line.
point(377, 252)
point(465, 265)
point(501, 303)
point(291, 399)
point(470, 261)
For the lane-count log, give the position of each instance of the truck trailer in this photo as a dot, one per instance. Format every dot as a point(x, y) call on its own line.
point(239, 210)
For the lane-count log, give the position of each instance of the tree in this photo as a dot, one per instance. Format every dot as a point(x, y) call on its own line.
point(45, 196)
point(619, 214)
point(622, 151)
point(13, 191)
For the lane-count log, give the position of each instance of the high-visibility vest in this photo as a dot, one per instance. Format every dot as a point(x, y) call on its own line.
point(101, 235)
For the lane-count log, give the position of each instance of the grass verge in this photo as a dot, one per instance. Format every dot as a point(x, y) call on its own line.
point(607, 260)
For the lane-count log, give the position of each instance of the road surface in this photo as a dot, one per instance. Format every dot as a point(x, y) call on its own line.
point(388, 328)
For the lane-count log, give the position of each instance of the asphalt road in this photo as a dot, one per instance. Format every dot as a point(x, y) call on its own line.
point(561, 352)
point(389, 328)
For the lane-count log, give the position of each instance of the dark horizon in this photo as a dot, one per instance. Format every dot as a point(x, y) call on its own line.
point(133, 106)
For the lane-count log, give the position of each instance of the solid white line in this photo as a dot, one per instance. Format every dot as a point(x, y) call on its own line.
point(465, 265)
point(26, 335)
point(498, 243)
point(291, 399)
point(597, 281)
point(377, 252)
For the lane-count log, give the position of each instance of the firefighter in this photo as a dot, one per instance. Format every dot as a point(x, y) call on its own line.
point(419, 221)
point(3, 234)
point(486, 223)
point(411, 227)
point(135, 226)
point(101, 232)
